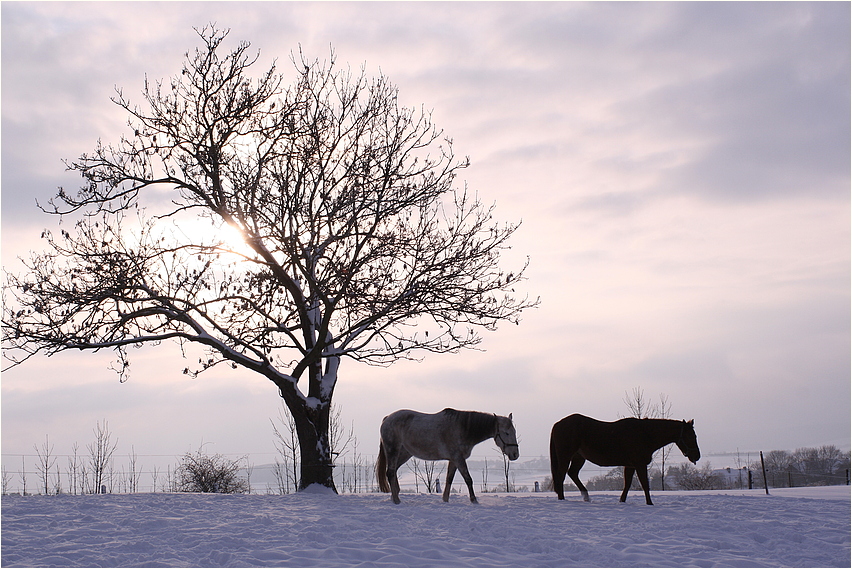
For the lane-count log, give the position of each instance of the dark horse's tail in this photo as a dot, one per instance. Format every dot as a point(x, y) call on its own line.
point(382, 470)
point(554, 458)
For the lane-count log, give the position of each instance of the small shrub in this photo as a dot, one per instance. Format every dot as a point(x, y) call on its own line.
point(689, 477)
point(209, 473)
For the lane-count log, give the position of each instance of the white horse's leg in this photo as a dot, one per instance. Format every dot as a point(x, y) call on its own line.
point(395, 460)
point(462, 466)
point(451, 472)
point(394, 484)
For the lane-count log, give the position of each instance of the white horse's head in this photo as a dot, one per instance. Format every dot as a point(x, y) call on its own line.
point(506, 438)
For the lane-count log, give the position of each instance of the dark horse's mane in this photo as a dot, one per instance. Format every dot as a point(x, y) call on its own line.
point(476, 426)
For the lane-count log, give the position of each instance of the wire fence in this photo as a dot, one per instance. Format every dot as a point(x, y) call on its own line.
point(267, 473)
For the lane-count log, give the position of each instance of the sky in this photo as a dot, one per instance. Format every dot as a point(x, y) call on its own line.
point(681, 172)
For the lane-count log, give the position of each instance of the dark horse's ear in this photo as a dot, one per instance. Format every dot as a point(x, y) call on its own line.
point(691, 422)
point(510, 416)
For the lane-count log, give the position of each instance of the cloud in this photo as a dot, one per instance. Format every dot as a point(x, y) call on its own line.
point(732, 102)
point(681, 169)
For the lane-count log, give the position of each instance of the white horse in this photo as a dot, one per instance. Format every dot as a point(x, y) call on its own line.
point(448, 435)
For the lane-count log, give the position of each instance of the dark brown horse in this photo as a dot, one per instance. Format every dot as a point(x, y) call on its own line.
point(628, 442)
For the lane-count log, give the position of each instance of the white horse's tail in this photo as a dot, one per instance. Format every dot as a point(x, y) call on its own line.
point(382, 470)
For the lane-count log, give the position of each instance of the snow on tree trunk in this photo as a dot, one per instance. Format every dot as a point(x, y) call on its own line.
point(315, 451)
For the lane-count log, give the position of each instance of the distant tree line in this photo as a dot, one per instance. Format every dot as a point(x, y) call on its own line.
point(820, 466)
point(93, 472)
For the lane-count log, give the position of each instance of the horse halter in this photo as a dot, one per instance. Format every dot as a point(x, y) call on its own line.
point(504, 443)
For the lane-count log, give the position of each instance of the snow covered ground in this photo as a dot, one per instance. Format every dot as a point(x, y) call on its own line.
point(792, 527)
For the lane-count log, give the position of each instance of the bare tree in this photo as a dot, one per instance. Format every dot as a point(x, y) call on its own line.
point(100, 457)
point(778, 460)
point(134, 472)
point(282, 477)
point(639, 407)
point(73, 469)
point(45, 462)
point(357, 479)
point(343, 441)
point(169, 484)
point(506, 468)
point(355, 241)
point(111, 478)
point(6, 480)
point(484, 485)
point(120, 481)
point(85, 481)
point(287, 443)
point(432, 474)
point(23, 474)
point(819, 461)
point(57, 481)
point(426, 472)
point(778, 464)
point(248, 469)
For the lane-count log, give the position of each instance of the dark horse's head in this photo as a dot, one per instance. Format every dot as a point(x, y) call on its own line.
point(688, 443)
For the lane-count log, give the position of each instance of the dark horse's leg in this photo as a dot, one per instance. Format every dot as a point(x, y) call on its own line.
point(451, 472)
point(577, 463)
point(642, 473)
point(628, 479)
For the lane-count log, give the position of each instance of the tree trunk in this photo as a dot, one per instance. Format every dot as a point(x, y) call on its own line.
point(315, 451)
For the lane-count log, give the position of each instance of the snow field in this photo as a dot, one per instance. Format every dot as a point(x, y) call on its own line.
point(712, 529)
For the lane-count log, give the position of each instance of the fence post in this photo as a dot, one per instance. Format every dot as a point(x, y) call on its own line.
point(763, 467)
